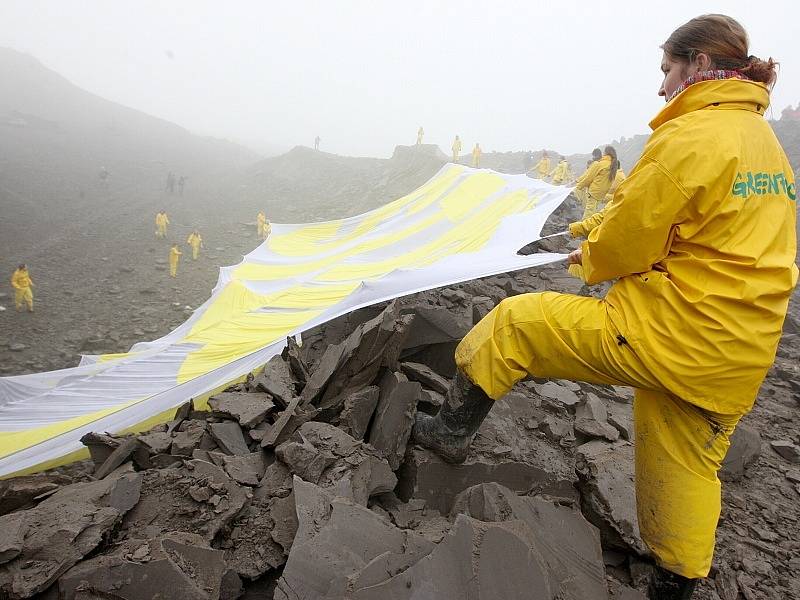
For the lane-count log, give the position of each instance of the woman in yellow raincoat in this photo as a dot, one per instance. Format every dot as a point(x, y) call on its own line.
point(596, 181)
point(701, 241)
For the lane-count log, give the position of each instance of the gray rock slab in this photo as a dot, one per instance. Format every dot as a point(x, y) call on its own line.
point(435, 325)
point(21, 492)
point(158, 442)
point(555, 391)
point(425, 376)
point(491, 561)
point(187, 438)
point(328, 456)
point(787, 449)
point(229, 437)
point(744, 450)
point(394, 416)
point(12, 536)
point(608, 498)
point(277, 380)
point(272, 435)
point(335, 540)
point(248, 409)
point(567, 542)
point(246, 469)
point(61, 530)
point(354, 363)
point(181, 563)
point(620, 416)
point(357, 411)
point(591, 419)
point(252, 551)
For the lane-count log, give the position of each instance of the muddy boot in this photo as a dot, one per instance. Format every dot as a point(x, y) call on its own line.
point(666, 585)
point(450, 432)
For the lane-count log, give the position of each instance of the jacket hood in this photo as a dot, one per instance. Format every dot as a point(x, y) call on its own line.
point(729, 93)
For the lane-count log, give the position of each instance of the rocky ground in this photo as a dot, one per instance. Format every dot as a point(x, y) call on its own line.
point(302, 483)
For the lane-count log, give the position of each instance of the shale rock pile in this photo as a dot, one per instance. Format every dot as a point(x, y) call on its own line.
point(301, 483)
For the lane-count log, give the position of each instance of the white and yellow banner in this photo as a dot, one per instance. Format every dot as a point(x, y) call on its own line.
point(462, 224)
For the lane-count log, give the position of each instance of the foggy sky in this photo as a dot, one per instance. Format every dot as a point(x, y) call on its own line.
point(365, 75)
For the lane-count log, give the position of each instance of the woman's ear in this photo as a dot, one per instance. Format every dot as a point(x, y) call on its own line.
point(703, 62)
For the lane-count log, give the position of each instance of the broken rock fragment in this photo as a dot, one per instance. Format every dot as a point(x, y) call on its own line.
point(175, 565)
point(744, 450)
point(608, 498)
point(357, 411)
point(60, 531)
point(567, 542)
point(229, 437)
point(394, 416)
point(247, 409)
point(591, 419)
point(326, 455)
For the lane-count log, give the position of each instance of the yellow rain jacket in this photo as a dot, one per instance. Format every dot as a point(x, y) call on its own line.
point(21, 279)
point(476, 156)
point(559, 174)
point(595, 180)
point(543, 166)
point(702, 239)
point(456, 147)
point(618, 178)
point(196, 242)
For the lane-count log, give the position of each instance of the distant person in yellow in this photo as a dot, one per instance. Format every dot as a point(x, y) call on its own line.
point(618, 178)
point(420, 133)
point(580, 194)
point(22, 283)
point(162, 220)
point(174, 258)
point(266, 230)
point(542, 168)
point(261, 221)
point(597, 181)
point(476, 155)
point(456, 149)
point(196, 242)
point(560, 174)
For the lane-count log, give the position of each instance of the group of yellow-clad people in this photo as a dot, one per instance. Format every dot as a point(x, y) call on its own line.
point(195, 240)
point(596, 187)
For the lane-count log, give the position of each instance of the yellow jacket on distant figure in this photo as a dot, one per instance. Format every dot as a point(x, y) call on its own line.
point(595, 180)
point(559, 174)
point(174, 256)
point(543, 166)
point(456, 146)
point(618, 178)
point(21, 280)
point(701, 238)
point(194, 239)
point(162, 219)
point(585, 227)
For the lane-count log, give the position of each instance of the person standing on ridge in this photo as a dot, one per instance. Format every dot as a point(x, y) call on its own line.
point(420, 133)
point(22, 283)
point(456, 149)
point(161, 224)
point(595, 183)
point(559, 175)
point(261, 221)
point(476, 155)
point(266, 229)
point(317, 140)
point(170, 188)
point(174, 257)
point(703, 265)
point(542, 168)
point(580, 194)
point(181, 183)
point(196, 242)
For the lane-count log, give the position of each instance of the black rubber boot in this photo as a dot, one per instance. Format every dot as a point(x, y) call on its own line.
point(666, 585)
point(450, 432)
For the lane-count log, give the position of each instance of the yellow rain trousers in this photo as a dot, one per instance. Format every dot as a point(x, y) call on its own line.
point(195, 241)
point(261, 220)
point(23, 294)
point(161, 225)
point(456, 150)
point(174, 257)
point(542, 168)
point(701, 240)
